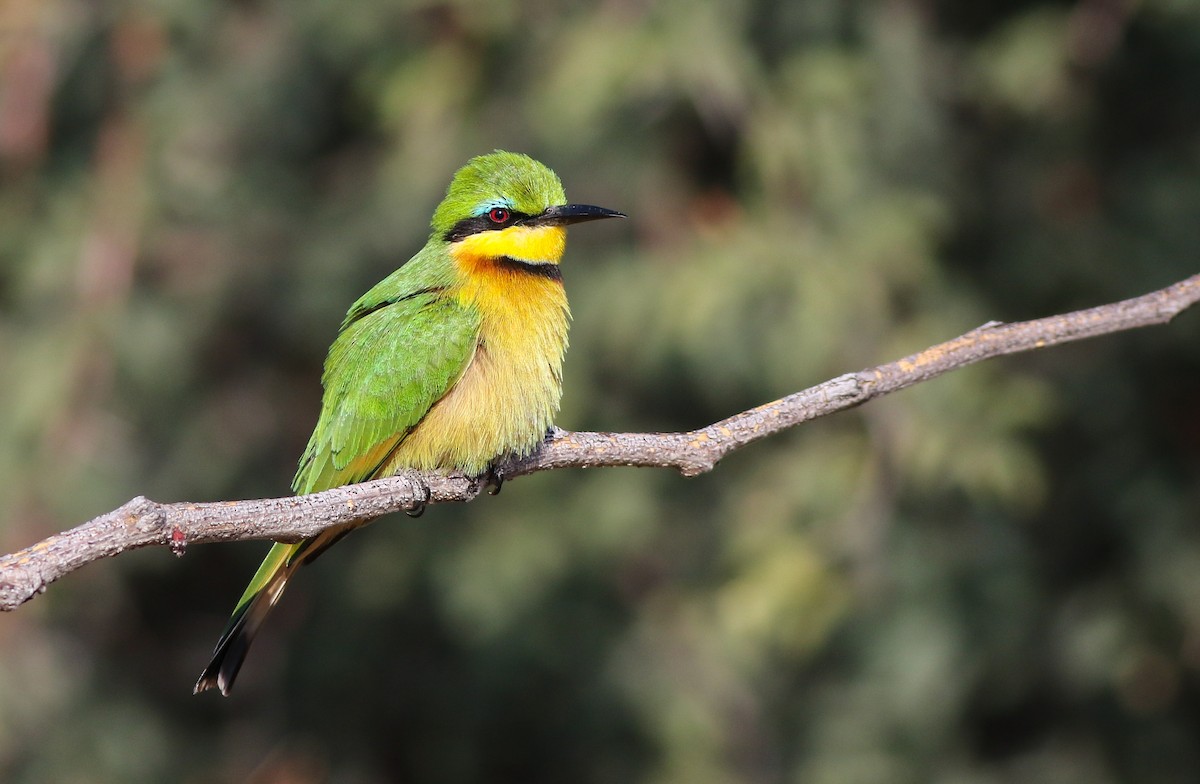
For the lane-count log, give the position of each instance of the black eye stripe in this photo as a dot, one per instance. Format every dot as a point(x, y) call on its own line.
point(479, 223)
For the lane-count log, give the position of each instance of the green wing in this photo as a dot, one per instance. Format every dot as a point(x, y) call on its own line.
point(401, 348)
point(389, 365)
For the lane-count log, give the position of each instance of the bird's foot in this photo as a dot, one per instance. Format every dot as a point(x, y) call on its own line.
point(420, 499)
point(493, 480)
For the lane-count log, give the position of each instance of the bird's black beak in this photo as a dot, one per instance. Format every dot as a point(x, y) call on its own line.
point(565, 214)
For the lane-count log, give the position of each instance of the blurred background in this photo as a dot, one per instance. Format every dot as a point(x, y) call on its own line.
point(992, 577)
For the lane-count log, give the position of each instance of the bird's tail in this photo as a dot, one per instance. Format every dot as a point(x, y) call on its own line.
point(260, 596)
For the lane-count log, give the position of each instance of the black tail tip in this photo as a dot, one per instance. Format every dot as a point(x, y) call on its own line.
point(227, 659)
point(213, 680)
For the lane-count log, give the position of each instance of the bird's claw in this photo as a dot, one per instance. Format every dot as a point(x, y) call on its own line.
point(420, 500)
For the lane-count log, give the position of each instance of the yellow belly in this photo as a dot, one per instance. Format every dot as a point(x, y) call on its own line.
point(509, 394)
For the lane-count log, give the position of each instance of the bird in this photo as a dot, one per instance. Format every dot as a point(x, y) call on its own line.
point(451, 363)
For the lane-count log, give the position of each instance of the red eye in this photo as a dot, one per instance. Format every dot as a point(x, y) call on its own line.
point(498, 215)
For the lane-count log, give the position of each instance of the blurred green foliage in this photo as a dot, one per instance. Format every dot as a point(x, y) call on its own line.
point(992, 577)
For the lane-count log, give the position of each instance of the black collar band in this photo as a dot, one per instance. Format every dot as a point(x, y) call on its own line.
point(543, 270)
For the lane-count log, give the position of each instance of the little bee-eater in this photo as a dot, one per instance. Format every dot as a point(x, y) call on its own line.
point(451, 363)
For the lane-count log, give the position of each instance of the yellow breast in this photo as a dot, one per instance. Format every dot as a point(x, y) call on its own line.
point(510, 391)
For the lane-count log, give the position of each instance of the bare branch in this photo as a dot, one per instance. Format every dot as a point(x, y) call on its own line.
point(141, 522)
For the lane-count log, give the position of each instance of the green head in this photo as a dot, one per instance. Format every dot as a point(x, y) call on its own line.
point(502, 190)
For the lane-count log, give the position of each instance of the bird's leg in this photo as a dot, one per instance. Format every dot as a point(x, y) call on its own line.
point(493, 477)
point(493, 480)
